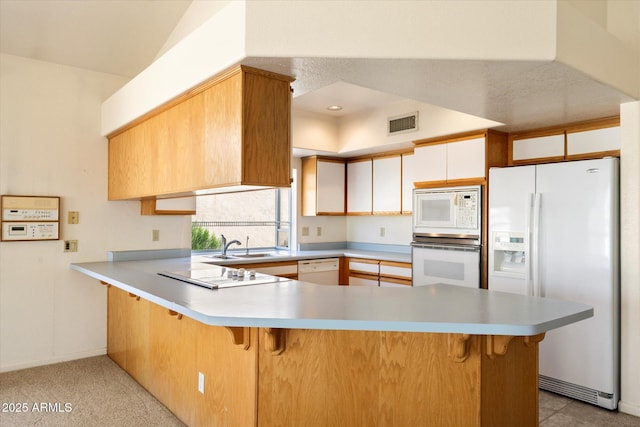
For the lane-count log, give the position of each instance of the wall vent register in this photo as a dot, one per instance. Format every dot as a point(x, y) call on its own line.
point(403, 124)
point(29, 218)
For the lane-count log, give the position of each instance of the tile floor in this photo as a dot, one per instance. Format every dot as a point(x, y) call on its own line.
point(561, 411)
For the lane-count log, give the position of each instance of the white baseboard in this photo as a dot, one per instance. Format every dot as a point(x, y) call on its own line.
point(51, 361)
point(629, 408)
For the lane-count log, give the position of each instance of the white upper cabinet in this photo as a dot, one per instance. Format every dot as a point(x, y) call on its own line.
point(466, 159)
point(359, 187)
point(431, 162)
point(408, 178)
point(387, 180)
point(323, 186)
point(331, 185)
point(444, 161)
point(593, 141)
point(542, 147)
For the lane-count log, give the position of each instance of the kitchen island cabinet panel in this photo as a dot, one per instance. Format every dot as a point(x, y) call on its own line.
point(307, 385)
point(173, 376)
point(165, 351)
point(230, 385)
point(127, 332)
point(369, 378)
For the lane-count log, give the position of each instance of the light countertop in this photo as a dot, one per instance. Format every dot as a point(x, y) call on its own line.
point(300, 305)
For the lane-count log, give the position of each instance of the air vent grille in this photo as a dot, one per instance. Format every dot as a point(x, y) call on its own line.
point(403, 124)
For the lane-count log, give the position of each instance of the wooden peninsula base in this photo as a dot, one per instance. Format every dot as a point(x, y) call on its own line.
point(310, 377)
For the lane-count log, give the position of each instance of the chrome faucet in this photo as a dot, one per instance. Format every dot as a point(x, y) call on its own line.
point(226, 245)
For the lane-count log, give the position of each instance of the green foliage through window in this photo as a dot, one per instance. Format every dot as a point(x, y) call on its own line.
point(202, 239)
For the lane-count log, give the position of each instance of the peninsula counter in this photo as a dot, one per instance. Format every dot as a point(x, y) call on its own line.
point(295, 353)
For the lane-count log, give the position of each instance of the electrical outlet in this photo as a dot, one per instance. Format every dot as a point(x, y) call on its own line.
point(318, 231)
point(71, 246)
point(74, 217)
point(381, 231)
point(155, 235)
point(305, 231)
point(201, 382)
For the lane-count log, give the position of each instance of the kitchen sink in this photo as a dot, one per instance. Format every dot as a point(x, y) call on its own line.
point(257, 255)
point(241, 256)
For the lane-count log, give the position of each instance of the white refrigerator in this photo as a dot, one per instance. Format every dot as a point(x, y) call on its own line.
point(554, 232)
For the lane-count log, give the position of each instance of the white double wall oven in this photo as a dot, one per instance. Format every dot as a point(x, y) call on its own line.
point(447, 236)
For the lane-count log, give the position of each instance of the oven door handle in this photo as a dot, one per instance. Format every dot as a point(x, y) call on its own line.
point(447, 247)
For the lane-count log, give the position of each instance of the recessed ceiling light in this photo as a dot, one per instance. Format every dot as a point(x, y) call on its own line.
point(334, 107)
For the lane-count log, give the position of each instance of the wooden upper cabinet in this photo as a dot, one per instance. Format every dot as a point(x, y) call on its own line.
point(233, 130)
point(323, 186)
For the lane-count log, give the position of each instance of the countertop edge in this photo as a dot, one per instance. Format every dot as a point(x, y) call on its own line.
point(514, 329)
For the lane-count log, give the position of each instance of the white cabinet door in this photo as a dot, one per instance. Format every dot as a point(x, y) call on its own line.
point(466, 159)
point(593, 141)
point(431, 162)
point(408, 178)
point(330, 190)
point(359, 187)
point(386, 184)
point(538, 148)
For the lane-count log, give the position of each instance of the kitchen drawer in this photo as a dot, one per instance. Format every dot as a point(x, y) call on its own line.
point(400, 270)
point(364, 265)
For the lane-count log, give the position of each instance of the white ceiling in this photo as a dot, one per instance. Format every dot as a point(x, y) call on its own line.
point(123, 37)
point(112, 36)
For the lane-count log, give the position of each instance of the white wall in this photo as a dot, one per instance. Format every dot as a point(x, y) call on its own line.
point(369, 129)
point(50, 145)
point(366, 229)
point(630, 257)
point(314, 131)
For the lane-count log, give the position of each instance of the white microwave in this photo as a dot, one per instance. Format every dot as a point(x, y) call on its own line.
point(453, 212)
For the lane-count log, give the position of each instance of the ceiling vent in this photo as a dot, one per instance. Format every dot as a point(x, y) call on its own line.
point(403, 124)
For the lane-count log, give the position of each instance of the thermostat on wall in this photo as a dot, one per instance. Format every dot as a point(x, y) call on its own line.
point(26, 218)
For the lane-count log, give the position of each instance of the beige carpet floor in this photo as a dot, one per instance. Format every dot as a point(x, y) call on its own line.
point(95, 392)
point(85, 392)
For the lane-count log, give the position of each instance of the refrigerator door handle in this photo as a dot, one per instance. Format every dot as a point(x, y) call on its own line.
point(528, 258)
point(535, 246)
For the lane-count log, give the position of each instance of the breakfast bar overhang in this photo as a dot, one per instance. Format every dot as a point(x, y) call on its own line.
point(293, 353)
